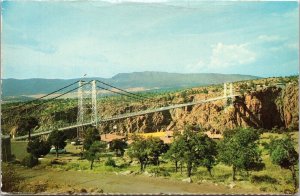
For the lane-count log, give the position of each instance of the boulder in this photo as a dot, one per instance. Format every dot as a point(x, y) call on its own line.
point(126, 172)
point(188, 180)
point(148, 174)
point(231, 185)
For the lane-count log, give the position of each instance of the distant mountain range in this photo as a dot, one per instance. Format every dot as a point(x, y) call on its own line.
point(145, 80)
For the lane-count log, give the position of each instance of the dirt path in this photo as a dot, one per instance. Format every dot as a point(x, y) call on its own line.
point(112, 183)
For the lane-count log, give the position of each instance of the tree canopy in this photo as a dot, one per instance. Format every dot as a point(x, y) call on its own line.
point(175, 153)
point(92, 135)
point(94, 151)
point(118, 146)
point(283, 153)
point(57, 139)
point(38, 147)
point(208, 159)
point(239, 149)
point(156, 147)
point(139, 150)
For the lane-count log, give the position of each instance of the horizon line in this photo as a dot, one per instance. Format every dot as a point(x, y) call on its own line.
point(259, 76)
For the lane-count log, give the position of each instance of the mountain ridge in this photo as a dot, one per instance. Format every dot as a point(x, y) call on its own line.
point(147, 79)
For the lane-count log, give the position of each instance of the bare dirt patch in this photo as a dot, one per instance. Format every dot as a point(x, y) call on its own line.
point(78, 181)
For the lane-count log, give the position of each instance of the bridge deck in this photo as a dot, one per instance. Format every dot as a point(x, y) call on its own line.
point(133, 114)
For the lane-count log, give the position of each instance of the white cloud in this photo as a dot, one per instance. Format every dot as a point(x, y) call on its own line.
point(223, 56)
point(230, 55)
point(270, 38)
point(294, 46)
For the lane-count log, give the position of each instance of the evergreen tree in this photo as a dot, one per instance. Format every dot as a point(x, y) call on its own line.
point(38, 147)
point(118, 146)
point(92, 135)
point(57, 139)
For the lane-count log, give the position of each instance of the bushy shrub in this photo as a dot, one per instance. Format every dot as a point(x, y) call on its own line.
point(205, 91)
point(263, 189)
point(279, 130)
point(262, 178)
point(30, 161)
point(159, 171)
point(10, 178)
point(110, 162)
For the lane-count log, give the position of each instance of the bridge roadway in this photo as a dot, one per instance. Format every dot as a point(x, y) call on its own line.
point(133, 114)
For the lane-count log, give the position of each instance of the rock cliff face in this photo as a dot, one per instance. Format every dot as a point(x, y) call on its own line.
point(266, 108)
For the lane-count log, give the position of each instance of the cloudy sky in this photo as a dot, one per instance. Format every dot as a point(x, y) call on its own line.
point(102, 38)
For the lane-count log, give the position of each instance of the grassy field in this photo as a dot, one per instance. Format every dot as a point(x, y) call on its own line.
point(18, 148)
point(71, 171)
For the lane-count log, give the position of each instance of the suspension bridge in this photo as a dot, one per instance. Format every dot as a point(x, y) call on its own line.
point(87, 92)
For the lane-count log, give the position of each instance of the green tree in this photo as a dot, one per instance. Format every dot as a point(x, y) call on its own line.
point(175, 153)
point(208, 159)
point(38, 147)
point(94, 152)
point(92, 135)
point(156, 147)
point(192, 150)
point(283, 153)
point(139, 150)
point(239, 149)
point(57, 139)
point(26, 124)
point(118, 146)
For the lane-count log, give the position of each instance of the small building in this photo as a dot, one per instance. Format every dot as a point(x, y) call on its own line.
point(108, 138)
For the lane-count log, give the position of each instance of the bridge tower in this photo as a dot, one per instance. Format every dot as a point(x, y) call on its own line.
point(228, 100)
point(87, 105)
point(94, 118)
point(84, 103)
point(230, 90)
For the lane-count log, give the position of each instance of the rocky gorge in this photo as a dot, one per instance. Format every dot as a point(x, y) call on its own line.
point(261, 104)
point(267, 108)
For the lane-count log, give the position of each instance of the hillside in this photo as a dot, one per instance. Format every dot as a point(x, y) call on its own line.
point(149, 80)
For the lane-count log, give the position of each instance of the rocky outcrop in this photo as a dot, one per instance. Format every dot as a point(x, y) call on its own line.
point(266, 108)
point(290, 107)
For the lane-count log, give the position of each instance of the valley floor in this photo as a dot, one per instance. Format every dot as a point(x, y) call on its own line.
point(79, 181)
point(69, 174)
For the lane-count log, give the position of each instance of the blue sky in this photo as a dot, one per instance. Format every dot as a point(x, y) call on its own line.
point(60, 39)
